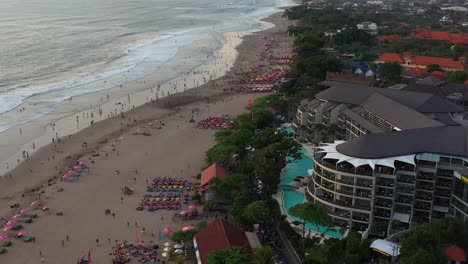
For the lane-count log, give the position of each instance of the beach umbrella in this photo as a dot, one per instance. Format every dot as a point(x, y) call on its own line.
point(34, 203)
point(11, 223)
point(187, 228)
point(21, 233)
point(193, 207)
point(178, 251)
point(178, 246)
point(71, 172)
point(23, 211)
point(165, 255)
point(45, 208)
point(3, 238)
point(66, 176)
point(167, 244)
point(82, 163)
point(16, 216)
point(167, 249)
point(76, 167)
point(167, 230)
point(183, 212)
point(138, 130)
point(8, 228)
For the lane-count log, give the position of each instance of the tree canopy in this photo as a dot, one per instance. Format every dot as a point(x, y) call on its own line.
point(232, 255)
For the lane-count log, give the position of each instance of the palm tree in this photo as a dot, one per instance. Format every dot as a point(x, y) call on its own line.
point(263, 255)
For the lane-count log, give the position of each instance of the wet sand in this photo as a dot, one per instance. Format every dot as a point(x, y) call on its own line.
point(176, 150)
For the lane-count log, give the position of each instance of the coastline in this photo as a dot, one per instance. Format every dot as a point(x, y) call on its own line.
point(174, 76)
point(177, 143)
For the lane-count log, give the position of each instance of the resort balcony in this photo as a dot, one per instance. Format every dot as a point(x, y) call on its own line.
point(423, 196)
point(425, 187)
point(422, 206)
point(404, 200)
point(328, 175)
point(444, 183)
point(364, 183)
point(405, 189)
point(406, 179)
point(364, 193)
point(345, 181)
point(425, 176)
point(384, 192)
point(340, 213)
point(384, 170)
point(442, 194)
point(361, 218)
point(382, 214)
point(444, 174)
point(345, 191)
point(386, 183)
point(383, 203)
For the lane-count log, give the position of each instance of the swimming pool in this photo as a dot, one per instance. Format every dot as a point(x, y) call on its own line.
point(297, 168)
point(293, 197)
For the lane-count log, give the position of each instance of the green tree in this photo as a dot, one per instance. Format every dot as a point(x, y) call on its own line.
point(239, 202)
point(263, 255)
point(391, 71)
point(232, 255)
point(433, 67)
point(227, 187)
point(183, 236)
point(457, 76)
point(313, 214)
point(258, 212)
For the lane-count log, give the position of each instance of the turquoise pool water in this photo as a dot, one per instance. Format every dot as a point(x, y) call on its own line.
point(297, 168)
point(293, 197)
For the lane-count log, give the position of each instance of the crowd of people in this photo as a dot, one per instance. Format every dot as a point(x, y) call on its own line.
point(122, 252)
point(165, 193)
point(223, 122)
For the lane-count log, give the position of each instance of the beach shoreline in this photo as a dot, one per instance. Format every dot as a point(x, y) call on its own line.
point(114, 151)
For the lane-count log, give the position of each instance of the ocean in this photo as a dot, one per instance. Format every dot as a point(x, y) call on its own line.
point(52, 51)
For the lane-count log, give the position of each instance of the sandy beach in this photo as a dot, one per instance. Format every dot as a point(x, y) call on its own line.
point(117, 155)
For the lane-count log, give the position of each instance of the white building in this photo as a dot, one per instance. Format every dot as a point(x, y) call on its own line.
point(368, 27)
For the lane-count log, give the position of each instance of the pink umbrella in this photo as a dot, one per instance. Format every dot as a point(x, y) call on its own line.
point(76, 167)
point(193, 207)
point(66, 176)
point(45, 208)
point(82, 163)
point(23, 211)
point(21, 233)
point(183, 212)
point(8, 228)
point(71, 172)
point(150, 124)
point(34, 203)
point(16, 216)
point(138, 130)
point(187, 228)
point(3, 238)
point(167, 230)
point(11, 223)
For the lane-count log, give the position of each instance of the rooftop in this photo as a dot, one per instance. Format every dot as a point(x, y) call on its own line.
point(219, 235)
point(214, 170)
point(445, 140)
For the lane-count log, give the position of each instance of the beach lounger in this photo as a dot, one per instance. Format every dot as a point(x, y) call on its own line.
point(28, 239)
point(28, 221)
point(7, 243)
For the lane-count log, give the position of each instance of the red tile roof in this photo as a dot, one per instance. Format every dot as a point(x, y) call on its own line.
point(454, 252)
point(214, 170)
point(390, 57)
point(219, 235)
point(438, 74)
point(382, 38)
point(461, 38)
point(442, 62)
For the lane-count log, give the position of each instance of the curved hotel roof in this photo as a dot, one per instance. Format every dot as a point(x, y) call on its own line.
point(448, 140)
